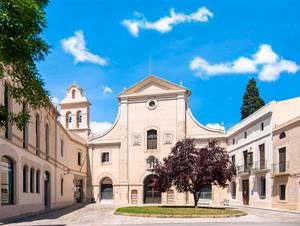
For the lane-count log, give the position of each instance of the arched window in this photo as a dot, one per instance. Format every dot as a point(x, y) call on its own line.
point(7, 181)
point(73, 93)
point(37, 133)
point(37, 181)
point(79, 119)
point(151, 162)
point(32, 180)
point(7, 106)
point(152, 139)
point(25, 179)
point(62, 148)
point(69, 120)
point(47, 141)
point(62, 186)
point(79, 158)
point(47, 188)
point(25, 128)
point(282, 135)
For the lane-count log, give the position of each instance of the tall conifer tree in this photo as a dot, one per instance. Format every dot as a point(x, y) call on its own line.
point(252, 100)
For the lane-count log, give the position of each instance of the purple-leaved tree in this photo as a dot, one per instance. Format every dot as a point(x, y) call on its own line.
point(189, 169)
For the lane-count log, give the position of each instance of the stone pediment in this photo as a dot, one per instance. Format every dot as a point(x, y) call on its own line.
point(152, 84)
point(151, 87)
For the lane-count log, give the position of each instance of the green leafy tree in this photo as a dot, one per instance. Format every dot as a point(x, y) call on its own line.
point(251, 101)
point(21, 47)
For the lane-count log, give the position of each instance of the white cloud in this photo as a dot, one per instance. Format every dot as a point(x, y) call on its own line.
point(271, 72)
point(215, 126)
point(243, 65)
point(100, 127)
point(265, 62)
point(203, 67)
point(76, 46)
point(265, 55)
point(132, 26)
point(106, 89)
point(165, 24)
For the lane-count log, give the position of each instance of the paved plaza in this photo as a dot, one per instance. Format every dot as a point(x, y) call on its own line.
point(95, 214)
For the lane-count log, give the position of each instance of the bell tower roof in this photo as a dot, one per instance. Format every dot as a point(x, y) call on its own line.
point(74, 95)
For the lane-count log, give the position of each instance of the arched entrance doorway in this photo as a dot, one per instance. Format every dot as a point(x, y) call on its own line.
point(151, 195)
point(47, 189)
point(106, 188)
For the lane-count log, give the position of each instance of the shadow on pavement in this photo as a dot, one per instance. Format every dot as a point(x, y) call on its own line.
point(44, 215)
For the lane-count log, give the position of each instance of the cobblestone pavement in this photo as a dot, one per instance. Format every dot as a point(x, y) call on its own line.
point(95, 214)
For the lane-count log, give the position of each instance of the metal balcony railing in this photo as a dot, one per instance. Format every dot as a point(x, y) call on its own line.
point(259, 166)
point(244, 169)
point(281, 167)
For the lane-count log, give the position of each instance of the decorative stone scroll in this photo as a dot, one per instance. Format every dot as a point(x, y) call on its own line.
point(136, 139)
point(167, 137)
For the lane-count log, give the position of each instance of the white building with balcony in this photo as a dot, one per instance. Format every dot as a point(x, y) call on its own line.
point(250, 145)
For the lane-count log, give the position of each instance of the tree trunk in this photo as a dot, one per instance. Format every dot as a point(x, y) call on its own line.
point(196, 198)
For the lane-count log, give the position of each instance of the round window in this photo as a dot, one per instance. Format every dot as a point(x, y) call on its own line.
point(151, 104)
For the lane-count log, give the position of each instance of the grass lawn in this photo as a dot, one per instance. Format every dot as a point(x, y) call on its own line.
point(177, 211)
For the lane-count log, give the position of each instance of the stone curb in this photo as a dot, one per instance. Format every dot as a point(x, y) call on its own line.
point(180, 216)
point(264, 208)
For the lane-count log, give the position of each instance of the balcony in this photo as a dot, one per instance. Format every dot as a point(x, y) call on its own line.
point(280, 169)
point(259, 167)
point(244, 169)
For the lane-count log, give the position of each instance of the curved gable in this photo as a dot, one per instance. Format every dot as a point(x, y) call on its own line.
point(197, 130)
point(112, 134)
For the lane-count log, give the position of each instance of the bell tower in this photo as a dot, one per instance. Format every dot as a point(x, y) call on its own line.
point(75, 112)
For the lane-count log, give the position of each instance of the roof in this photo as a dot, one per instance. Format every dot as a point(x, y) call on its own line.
point(152, 79)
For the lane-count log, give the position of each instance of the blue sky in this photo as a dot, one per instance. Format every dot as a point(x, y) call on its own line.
point(214, 50)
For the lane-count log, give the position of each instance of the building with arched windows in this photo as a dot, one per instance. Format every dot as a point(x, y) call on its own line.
point(55, 161)
point(39, 167)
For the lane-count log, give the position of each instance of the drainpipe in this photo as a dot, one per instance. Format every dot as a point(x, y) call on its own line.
point(55, 184)
point(127, 153)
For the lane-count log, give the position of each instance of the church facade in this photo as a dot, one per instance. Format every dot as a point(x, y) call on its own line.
point(153, 115)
